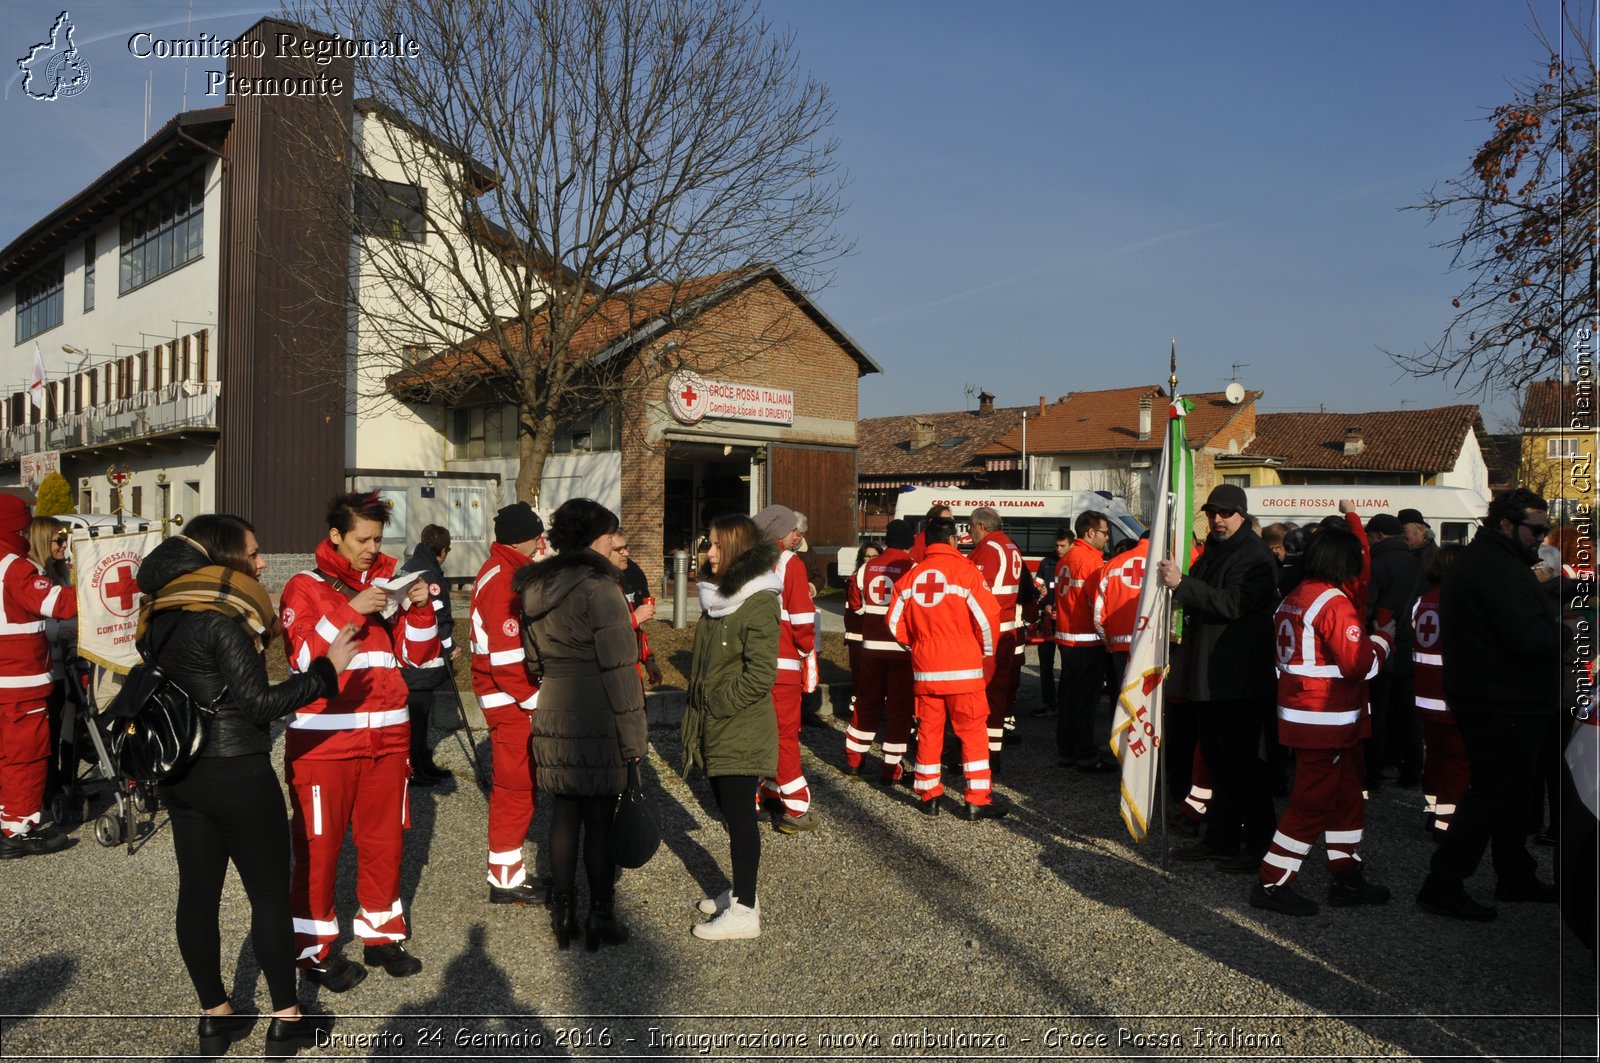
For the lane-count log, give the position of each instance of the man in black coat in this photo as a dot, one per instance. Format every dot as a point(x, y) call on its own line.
point(1225, 670)
point(1397, 583)
point(1502, 644)
point(422, 683)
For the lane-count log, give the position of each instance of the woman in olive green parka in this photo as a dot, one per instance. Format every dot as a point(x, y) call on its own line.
point(730, 729)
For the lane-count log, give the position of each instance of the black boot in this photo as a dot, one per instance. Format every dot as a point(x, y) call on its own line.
point(564, 918)
point(603, 928)
point(217, 1032)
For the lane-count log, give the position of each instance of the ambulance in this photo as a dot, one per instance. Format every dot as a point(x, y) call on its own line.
point(1452, 512)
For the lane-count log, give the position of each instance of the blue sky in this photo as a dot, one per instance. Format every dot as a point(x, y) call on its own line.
point(1044, 194)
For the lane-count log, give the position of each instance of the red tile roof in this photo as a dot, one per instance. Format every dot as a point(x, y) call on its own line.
point(1099, 421)
point(1421, 441)
point(884, 443)
point(615, 323)
point(1552, 403)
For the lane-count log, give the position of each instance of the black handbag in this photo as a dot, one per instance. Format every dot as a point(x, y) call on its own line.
point(157, 729)
point(635, 834)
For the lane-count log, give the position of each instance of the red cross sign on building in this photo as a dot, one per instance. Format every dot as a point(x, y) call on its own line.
point(688, 398)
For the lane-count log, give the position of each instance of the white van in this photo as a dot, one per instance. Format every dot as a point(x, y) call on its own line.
point(1452, 512)
point(1030, 518)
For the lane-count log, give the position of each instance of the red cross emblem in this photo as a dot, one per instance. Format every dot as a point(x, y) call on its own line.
point(1285, 641)
point(1427, 628)
point(930, 589)
point(1132, 573)
point(688, 394)
point(1016, 564)
point(880, 589)
point(509, 627)
point(123, 585)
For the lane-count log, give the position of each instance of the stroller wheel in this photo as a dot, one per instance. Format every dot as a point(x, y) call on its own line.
point(145, 799)
point(83, 808)
point(108, 830)
point(60, 809)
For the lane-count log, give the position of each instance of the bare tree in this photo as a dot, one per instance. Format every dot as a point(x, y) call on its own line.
point(546, 175)
point(1528, 210)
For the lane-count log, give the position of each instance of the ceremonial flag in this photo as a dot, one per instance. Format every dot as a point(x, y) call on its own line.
point(1136, 736)
point(36, 381)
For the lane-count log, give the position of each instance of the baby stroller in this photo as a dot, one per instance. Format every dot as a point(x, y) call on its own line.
point(88, 769)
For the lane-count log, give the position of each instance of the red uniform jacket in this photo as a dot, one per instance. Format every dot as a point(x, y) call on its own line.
point(1427, 664)
point(1325, 658)
point(797, 620)
point(27, 596)
point(871, 593)
point(1116, 596)
point(943, 611)
point(998, 558)
point(1077, 578)
point(499, 673)
point(368, 717)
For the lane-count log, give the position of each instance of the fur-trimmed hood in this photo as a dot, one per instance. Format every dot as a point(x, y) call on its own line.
point(543, 585)
point(748, 576)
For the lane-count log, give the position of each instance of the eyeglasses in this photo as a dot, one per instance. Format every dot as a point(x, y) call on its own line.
point(62, 539)
point(1223, 513)
point(1538, 531)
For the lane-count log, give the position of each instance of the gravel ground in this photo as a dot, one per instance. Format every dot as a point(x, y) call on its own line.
point(885, 935)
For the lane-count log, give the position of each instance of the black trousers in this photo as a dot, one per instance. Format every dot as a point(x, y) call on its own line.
point(1047, 673)
point(736, 800)
point(590, 816)
point(1241, 805)
point(1083, 674)
point(1503, 755)
point(231, 808)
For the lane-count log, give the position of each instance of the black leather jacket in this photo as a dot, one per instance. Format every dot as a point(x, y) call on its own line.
point(211, 657)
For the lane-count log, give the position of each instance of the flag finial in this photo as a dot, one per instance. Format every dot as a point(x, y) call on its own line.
point(1172, 380)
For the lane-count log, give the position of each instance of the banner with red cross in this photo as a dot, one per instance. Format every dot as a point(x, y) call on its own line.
point(107, 568)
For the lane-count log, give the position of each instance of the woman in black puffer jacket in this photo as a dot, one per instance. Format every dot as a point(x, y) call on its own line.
point(207, 622)
point(589, 723)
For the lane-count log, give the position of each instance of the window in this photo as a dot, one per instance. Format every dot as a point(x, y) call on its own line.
point(590, 434)
point(1562, 448)
point(392, 209)
point(1064, 478)
point(88, 274)
point(40, 300)
point(163, 233)
point(482, 432)
point(1237, 481)
point(138, 501)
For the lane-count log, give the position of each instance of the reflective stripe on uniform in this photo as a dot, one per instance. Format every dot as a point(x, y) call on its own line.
point(347, 721)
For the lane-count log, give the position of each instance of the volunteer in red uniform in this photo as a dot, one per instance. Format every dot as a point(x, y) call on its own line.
point(27, 596)
point(1445, 773)
point(948, 618)
point(507, 695)
point(797, 670)
point(1000, 562)
point(1325, 658)
point(883, 682)
point(1083, 654)
point(347, 758)
point(919, 543)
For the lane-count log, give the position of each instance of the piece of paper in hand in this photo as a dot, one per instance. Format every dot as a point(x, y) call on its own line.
point(396, 590)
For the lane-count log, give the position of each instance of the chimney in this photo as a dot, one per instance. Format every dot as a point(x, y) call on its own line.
point(1041, 405)
point(922, 434)
point(1353, 442)
point(985, 404)
point(1145, 406)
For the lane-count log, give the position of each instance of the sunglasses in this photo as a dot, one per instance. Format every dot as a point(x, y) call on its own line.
point(1538, 531)
point(62, 539)
point(1224, 513)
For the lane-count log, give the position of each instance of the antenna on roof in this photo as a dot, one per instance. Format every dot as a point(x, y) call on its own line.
point(1238, 366)
point(970, 390)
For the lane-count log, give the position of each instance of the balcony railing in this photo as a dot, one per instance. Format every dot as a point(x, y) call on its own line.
point(184, 404)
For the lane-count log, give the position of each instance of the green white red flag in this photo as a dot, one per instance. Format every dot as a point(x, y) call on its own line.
point(1136, 733)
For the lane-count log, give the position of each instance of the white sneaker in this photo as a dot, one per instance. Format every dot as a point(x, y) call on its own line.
point(719, 903)
point(736, 922)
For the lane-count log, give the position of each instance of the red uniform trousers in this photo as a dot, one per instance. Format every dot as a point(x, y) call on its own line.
point(790, 787)
point(967, 713)
point(1001, 692)
point(1326, 802)
point(883, 692)
point(1445, 772)
point(24, 761)
point(367, 795)
point(512, 799)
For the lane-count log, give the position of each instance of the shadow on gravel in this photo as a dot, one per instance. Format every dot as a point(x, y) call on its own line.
point(678, 825)
point(476, 1015)
point(29, 989)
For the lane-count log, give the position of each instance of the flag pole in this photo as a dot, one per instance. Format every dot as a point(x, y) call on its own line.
point(1161, 708)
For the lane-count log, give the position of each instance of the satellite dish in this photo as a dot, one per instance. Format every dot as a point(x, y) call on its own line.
point(1235, 393)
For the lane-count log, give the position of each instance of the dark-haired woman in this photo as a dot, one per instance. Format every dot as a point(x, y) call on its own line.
point(347, 756)
point(590, 721)
point(207, 622)
point(1325, 658)
point(730, 733)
